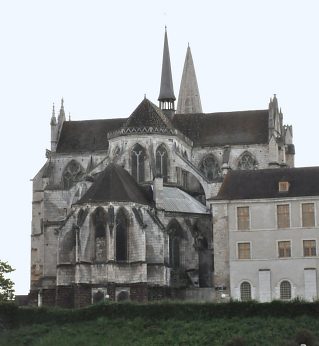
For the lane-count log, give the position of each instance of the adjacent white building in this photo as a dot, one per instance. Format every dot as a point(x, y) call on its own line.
point(268, 222)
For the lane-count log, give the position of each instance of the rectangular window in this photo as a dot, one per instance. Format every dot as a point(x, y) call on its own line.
point(283, 186)
point(283, 217)
point(284, 248)
point(243, 221)
point(243, 250)
point(308, 215)
point(309, 248)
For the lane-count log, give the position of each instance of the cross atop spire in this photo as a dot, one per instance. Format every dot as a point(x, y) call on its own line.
point(189, 98)
point(166, 96)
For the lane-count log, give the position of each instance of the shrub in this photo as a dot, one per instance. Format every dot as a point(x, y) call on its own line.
point(305, 336)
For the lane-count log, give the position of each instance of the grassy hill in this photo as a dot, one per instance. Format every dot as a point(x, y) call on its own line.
point(163, 324)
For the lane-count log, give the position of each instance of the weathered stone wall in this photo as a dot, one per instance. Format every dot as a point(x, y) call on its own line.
point(221, 247)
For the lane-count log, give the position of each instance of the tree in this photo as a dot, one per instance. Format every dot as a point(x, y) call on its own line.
point(6, 285)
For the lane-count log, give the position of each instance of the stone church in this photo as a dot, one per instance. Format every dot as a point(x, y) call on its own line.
point(122, 208)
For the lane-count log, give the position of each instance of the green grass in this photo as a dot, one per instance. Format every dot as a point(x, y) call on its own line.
point(138, 331)
point(165, 323)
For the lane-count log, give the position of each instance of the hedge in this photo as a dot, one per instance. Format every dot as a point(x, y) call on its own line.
point(13, 316)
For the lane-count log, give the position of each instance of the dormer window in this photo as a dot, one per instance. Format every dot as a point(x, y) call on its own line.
point(283, 186)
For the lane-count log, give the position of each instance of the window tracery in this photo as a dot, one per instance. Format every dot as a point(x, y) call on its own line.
point(72, 174)
point(162, 162)
point(247, 161)
point(138, 162)
point(210, 168)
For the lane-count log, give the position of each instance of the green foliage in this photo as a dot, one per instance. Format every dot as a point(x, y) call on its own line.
point(6, 285)
point(165, 323)
point(305, 336)
point(140, 331)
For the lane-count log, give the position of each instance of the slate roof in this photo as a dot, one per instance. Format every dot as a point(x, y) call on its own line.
point(167, 89)
point(115, 184)
point(263, 183)
point(147, 115)
point(213, 129)
point(86, 135)
point(176, 200)
point(244, 127)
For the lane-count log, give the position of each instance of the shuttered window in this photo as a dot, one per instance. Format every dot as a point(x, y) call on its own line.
point(309, 248)
point(283, 216)
point(243, 250)
point(284, 248)
point(308, 215)
point(243, 220)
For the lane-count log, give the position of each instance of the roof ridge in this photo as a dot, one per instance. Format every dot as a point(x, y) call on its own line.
point(145, 115)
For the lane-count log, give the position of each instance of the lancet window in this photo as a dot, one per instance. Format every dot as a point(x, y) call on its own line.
point(121, 236)
point(99, 222)
point(175, 235)
point(162, 162)
point(138, 162)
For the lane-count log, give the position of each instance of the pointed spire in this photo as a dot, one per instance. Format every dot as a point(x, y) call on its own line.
point(166, 96)
point(62, 113)
point(189, 98)
point(53, 118)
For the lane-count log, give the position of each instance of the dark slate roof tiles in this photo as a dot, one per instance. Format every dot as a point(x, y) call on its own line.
point(147, 115)
point(264, 183)
point(86, 135)
point(229, 128)
point(214, 129)
point(115, 184)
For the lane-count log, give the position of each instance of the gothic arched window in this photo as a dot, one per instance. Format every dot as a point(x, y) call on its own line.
point(175, 233)
point(82, 214)
point(99, 219)
point(121, 235)
point(245, 291)
point(72, 174)
point(138, 159)
point(210, 167)
point(285, 290)
point(161, 162)
point(247, 161)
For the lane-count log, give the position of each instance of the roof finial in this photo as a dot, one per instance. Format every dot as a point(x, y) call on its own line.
point(53, 111)
point(165, 28)
point(69, 116)
point(188, 44)
point(144, 96)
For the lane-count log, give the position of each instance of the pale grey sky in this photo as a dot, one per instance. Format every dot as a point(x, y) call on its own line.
point(103, 56)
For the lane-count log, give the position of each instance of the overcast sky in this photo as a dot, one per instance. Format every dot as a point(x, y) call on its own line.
point(103, 56)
